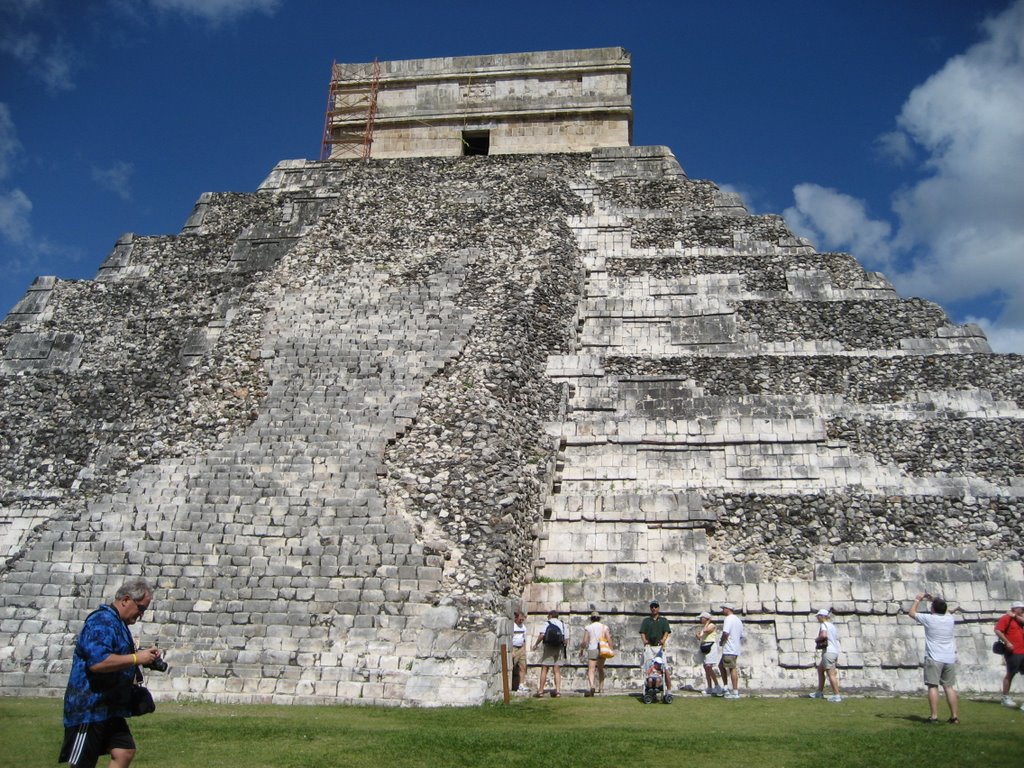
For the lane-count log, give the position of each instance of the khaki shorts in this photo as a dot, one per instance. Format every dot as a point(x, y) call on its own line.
point(518, 655)
point(729, 661)
point(937, 673)
point(828, 660)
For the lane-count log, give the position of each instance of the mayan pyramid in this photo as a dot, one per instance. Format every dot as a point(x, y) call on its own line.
point(349, 421)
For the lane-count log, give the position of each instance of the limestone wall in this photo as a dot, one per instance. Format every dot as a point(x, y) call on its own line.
point(314, 419)
point(550, 101)
point(753, 421)
point(349, 421)
point(505, 137)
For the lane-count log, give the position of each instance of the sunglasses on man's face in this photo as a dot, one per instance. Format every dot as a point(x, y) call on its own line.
point(142, 608)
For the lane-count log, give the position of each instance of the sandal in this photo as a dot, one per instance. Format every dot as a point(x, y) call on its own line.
point(954, 720)
point(932, 720)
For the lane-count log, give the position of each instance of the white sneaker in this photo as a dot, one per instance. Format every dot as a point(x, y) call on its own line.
point(1008, 702)
point(835, 699)
point(816, 695)
point(733, 695)
point(718, 691)
point(1022, 707)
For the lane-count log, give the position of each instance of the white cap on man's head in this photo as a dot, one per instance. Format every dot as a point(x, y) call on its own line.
point(704, 615)
point(824, 612)
point(1017, 604)
point(728, 607)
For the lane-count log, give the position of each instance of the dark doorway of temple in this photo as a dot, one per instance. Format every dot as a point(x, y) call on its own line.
point(476, 142)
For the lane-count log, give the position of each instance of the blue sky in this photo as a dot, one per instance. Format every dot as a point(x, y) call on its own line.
point(893, 130)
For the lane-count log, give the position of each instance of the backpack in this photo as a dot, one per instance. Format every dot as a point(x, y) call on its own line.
point(553, 635)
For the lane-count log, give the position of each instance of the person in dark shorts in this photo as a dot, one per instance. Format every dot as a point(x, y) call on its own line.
point(1010, 629)
point(553, 638)
point(97, 698)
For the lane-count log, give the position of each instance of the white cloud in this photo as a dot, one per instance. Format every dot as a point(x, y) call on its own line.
point(1001, 338)
point(32, 31)
point(836, 221)
point(9, 144)
point(25, 252)
point(217, 11)
point(49, 61)
point(117, 178)
point(960, 233)
point(896, 147)
point(15, 208)
point(54, 67)
point(22, 46)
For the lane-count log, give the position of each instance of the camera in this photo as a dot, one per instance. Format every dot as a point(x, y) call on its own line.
point(158, 664)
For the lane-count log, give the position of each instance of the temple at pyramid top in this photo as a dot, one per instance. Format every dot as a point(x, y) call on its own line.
point(549, 101)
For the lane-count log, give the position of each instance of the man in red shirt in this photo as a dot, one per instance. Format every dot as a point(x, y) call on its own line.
point(1010, 629)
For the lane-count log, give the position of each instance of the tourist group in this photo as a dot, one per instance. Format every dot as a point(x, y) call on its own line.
point(718, 649)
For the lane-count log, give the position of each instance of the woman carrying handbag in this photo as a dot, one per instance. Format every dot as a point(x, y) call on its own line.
point(597, 647)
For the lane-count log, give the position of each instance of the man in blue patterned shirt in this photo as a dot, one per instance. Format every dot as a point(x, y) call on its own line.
point(97, 699)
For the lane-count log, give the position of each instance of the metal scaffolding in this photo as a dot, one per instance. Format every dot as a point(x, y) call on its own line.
point(351, 109)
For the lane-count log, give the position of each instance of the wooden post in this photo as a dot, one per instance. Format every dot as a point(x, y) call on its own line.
point(504, 673)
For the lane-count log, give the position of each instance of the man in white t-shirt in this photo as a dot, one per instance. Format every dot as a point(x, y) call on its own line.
point(939, 656)
point(519, 652)
point(732, 643)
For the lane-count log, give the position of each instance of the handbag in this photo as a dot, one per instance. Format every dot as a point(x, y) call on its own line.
point(604, 649)
point(705, 648)
point(999, 647)
point(141, 701)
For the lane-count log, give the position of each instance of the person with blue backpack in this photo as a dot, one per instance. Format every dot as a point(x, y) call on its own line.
point(552, 637)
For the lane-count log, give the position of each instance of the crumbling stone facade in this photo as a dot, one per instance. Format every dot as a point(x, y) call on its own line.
point(347, 422)
point(315, 418)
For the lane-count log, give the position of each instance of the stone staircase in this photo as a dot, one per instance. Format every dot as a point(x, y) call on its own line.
point(347, 422)
point(314, 419)
point(749, 420)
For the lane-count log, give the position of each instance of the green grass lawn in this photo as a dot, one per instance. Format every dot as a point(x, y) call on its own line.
point(567, 732)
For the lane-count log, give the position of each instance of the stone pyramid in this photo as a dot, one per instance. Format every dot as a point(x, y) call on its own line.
point(348, 422)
